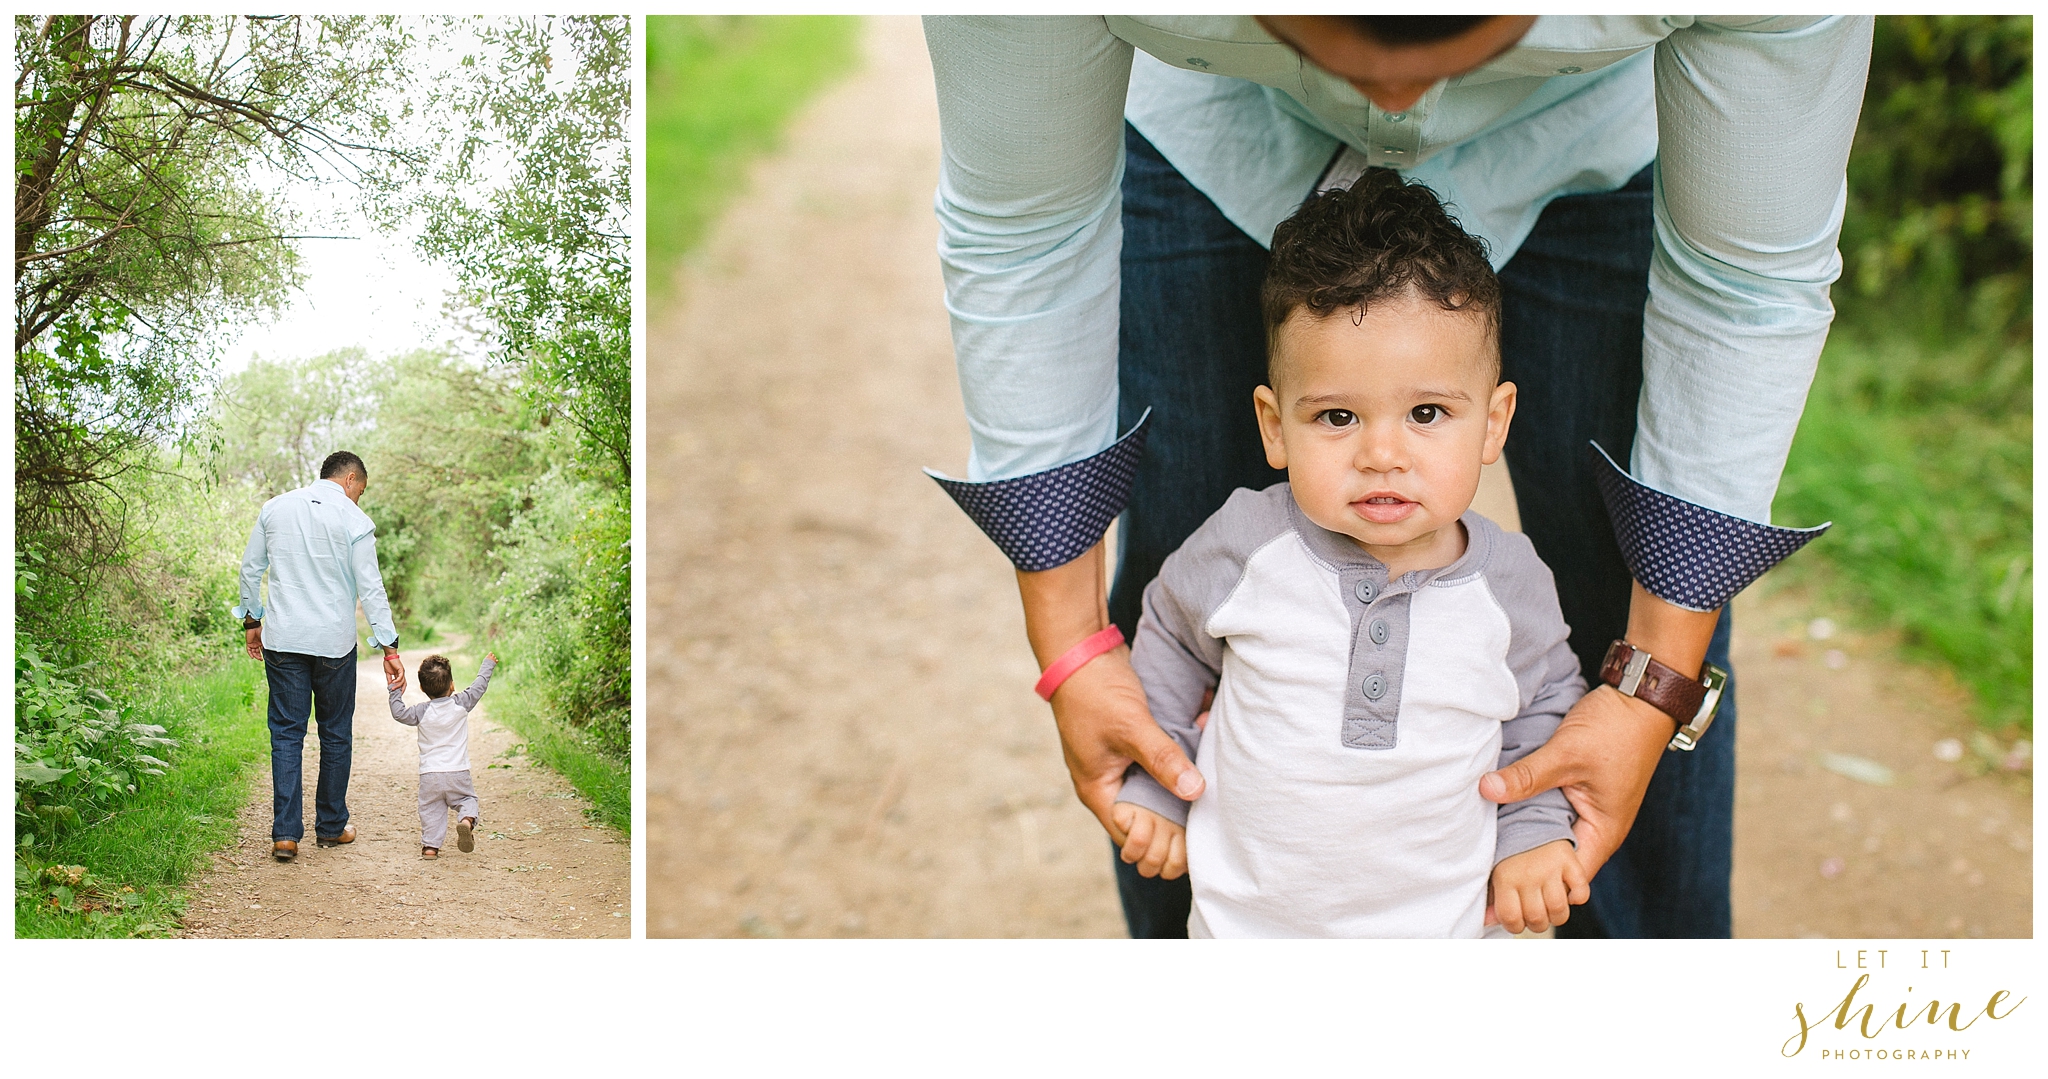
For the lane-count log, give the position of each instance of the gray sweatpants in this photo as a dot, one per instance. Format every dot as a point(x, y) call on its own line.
point(440, 792)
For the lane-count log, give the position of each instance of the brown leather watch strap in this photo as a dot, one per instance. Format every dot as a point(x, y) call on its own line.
point(1662, 688)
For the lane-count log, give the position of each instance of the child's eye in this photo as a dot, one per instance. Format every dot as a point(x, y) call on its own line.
point(1426, 414)
point(1337, 417)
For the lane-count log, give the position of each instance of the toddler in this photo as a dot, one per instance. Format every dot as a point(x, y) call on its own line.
point(1372, 647)
point(443, 724)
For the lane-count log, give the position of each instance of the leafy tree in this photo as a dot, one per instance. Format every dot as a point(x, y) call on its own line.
point(531, 206)
point(278, 419)
point(141, 229)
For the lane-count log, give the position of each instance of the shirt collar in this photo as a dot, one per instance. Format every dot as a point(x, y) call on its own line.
point(329, 483)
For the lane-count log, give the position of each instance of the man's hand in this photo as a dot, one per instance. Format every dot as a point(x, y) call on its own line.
point(1536, 889)
point(1602, 756)
point(1608, 746)
point(255, 642)
point(1103, 720)
point(394, 670)
point(1157, 846)
point(1104, 726)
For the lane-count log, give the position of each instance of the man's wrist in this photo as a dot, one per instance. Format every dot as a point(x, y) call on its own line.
point(1677, 637)
point(1065, 605)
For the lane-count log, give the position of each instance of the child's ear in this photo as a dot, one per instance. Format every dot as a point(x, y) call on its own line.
point(1500, 412)
point(1267, 405)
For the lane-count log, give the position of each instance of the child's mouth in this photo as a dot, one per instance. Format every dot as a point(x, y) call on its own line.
point(1384, 509)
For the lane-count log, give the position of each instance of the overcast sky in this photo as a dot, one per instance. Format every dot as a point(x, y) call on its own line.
point(374, 291)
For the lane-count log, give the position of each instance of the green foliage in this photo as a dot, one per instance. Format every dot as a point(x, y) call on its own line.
point(1933, 512)
point(276, 420)
point(719, 90)
point(1918, 434)
point(74, 754)
point(1938, 238)
point(530, 206)
point(162, 834)
point(141, 227)
point(563, 606)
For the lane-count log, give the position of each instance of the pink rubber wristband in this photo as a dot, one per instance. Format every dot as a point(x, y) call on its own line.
point(1074, 659)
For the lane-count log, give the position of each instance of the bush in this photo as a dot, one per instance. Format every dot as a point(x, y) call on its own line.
point(563, 616)
point(73, 752)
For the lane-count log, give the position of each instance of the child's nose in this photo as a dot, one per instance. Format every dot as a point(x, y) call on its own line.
point(1381, 449)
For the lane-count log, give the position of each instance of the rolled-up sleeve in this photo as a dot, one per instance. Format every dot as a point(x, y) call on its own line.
point(1030, 234)
point(370, 589)
point(1754, 118)
point(255, 559)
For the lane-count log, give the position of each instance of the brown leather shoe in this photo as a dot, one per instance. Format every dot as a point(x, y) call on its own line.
point(348, 835)
point(465, 834)
point(284, 850)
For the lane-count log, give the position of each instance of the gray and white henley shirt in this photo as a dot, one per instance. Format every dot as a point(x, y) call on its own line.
point(1352, 720)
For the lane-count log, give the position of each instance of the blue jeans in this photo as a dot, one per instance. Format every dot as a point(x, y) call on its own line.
point(1193, 348)
point(302, 686)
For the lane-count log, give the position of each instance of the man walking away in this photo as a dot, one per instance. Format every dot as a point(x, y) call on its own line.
point(321, 551)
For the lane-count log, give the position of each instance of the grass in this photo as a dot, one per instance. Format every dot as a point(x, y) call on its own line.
point(154, 842)
point(1923, 457)
point(599, 773)
point(720, 89)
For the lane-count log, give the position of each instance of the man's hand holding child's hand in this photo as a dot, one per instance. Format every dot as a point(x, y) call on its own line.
point(1536, 889)
point(1157, 846)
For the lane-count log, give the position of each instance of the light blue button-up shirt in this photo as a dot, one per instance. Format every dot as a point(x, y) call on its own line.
point(1747, 118)
point(321, 551)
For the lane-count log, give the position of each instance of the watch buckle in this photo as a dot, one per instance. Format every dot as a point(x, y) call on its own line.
point(1688, 736)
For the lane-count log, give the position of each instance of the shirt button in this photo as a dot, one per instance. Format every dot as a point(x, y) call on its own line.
point(1366, 591)
point(1396, 117)
point(1204, 64)
point(1375, 686)
point(1573, 70)
point(1379, 631)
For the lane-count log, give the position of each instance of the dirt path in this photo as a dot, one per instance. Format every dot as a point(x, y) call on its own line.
point(540, 869)
point(842, 737)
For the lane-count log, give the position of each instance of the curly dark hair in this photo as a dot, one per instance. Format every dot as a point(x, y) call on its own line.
point(1382, 238)
point(437, 678)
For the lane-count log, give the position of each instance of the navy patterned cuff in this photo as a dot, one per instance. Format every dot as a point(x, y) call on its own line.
point(1050, 518)
point(1684, 553)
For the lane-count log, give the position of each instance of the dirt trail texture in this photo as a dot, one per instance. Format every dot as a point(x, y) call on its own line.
point(540, 868)
point(842, 738)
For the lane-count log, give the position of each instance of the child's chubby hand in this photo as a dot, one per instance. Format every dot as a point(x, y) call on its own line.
point(1157, 846)
point(1536, 889)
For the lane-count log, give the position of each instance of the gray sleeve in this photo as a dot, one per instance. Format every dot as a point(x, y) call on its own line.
point(467, 698)
point(1175, 657)
point(409, 715)
point(1547, 676)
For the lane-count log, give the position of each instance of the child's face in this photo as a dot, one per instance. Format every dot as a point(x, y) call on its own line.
point(1382, 423)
